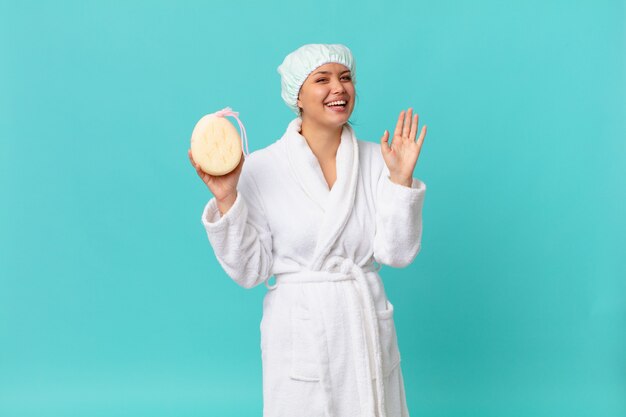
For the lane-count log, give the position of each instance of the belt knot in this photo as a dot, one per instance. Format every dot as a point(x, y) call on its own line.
point(344, 265)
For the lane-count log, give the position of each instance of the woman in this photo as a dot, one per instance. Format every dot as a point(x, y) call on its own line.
point(319, 210)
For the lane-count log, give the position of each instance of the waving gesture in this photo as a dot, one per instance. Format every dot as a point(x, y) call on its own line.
point(401, 156)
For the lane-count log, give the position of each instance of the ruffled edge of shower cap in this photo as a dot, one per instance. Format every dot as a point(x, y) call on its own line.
point(297, 66)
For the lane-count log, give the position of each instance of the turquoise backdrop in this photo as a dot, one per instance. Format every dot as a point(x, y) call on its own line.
point(111, 300)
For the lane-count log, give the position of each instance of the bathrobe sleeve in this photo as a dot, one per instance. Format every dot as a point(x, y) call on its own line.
point(398, 221)
point(241, 238)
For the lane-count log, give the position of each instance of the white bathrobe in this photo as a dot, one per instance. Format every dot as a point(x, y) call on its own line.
point(328, 339)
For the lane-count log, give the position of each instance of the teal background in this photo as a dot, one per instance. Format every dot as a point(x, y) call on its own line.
point(111, 300)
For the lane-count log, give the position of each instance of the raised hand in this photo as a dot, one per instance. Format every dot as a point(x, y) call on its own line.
point(223, 187)
point(401, 156)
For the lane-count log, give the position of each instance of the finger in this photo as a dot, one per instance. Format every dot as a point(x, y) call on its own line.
point(384, 143)
point(199, 170)
point(420, 140)
point(239, 166)
point(398, 131)
point(407, 123)
point(413, 128)
point(193, 163)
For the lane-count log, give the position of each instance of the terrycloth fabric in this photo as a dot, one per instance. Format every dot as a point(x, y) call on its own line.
point(297, 66)
point(328, 339)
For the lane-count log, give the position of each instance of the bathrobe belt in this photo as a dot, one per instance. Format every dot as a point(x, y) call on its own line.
point(338, 268)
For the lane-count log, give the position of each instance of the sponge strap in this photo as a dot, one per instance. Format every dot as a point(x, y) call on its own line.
point(227, 111)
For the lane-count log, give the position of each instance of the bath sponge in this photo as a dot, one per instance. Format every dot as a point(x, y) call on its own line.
point(216, 144)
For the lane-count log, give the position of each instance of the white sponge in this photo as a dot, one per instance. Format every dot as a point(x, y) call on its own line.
point(216, 145)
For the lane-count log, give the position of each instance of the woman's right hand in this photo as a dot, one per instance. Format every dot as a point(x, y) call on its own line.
point(223, 187)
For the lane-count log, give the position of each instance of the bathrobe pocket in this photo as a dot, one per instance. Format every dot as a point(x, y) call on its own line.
point(304, 347)
point(390, 354)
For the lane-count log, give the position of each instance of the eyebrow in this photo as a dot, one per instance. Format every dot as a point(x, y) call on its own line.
point(328, 72)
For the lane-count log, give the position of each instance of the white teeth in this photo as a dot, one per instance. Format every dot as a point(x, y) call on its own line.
point(336, 103)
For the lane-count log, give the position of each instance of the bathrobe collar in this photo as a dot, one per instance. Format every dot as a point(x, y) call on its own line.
point(336, 203)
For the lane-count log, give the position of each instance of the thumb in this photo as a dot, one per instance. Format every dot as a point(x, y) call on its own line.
point(384, 143)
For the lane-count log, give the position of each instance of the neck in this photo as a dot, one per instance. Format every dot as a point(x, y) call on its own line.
point(322, 140)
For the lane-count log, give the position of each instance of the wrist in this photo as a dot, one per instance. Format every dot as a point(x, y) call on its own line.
point(229, 198)
point(407, 182)
point(224, 204)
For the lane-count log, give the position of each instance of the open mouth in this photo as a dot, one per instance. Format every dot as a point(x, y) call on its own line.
point(338, 103)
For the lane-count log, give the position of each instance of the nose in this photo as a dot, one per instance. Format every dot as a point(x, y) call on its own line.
point(338, 86)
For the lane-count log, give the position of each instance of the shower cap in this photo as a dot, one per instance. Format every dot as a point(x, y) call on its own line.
point(297, 66)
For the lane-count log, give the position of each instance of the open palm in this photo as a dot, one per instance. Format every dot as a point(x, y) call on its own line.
point(401, 156)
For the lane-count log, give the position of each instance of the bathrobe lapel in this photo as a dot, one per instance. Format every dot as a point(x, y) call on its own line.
point(304, 165)
point(337, 203)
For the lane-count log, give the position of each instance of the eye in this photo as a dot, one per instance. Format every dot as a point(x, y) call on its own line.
point(321, 79)
point(347, 77)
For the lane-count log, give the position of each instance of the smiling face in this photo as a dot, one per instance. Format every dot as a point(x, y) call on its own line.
point(326, 97)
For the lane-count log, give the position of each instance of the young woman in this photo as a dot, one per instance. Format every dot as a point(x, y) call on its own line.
point(320, 211)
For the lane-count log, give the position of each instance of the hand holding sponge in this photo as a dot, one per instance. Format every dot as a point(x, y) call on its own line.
point(215, 143)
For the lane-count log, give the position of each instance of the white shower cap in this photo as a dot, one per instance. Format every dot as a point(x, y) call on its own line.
point(297, 66)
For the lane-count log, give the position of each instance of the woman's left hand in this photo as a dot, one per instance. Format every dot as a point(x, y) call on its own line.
point(401, 156)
